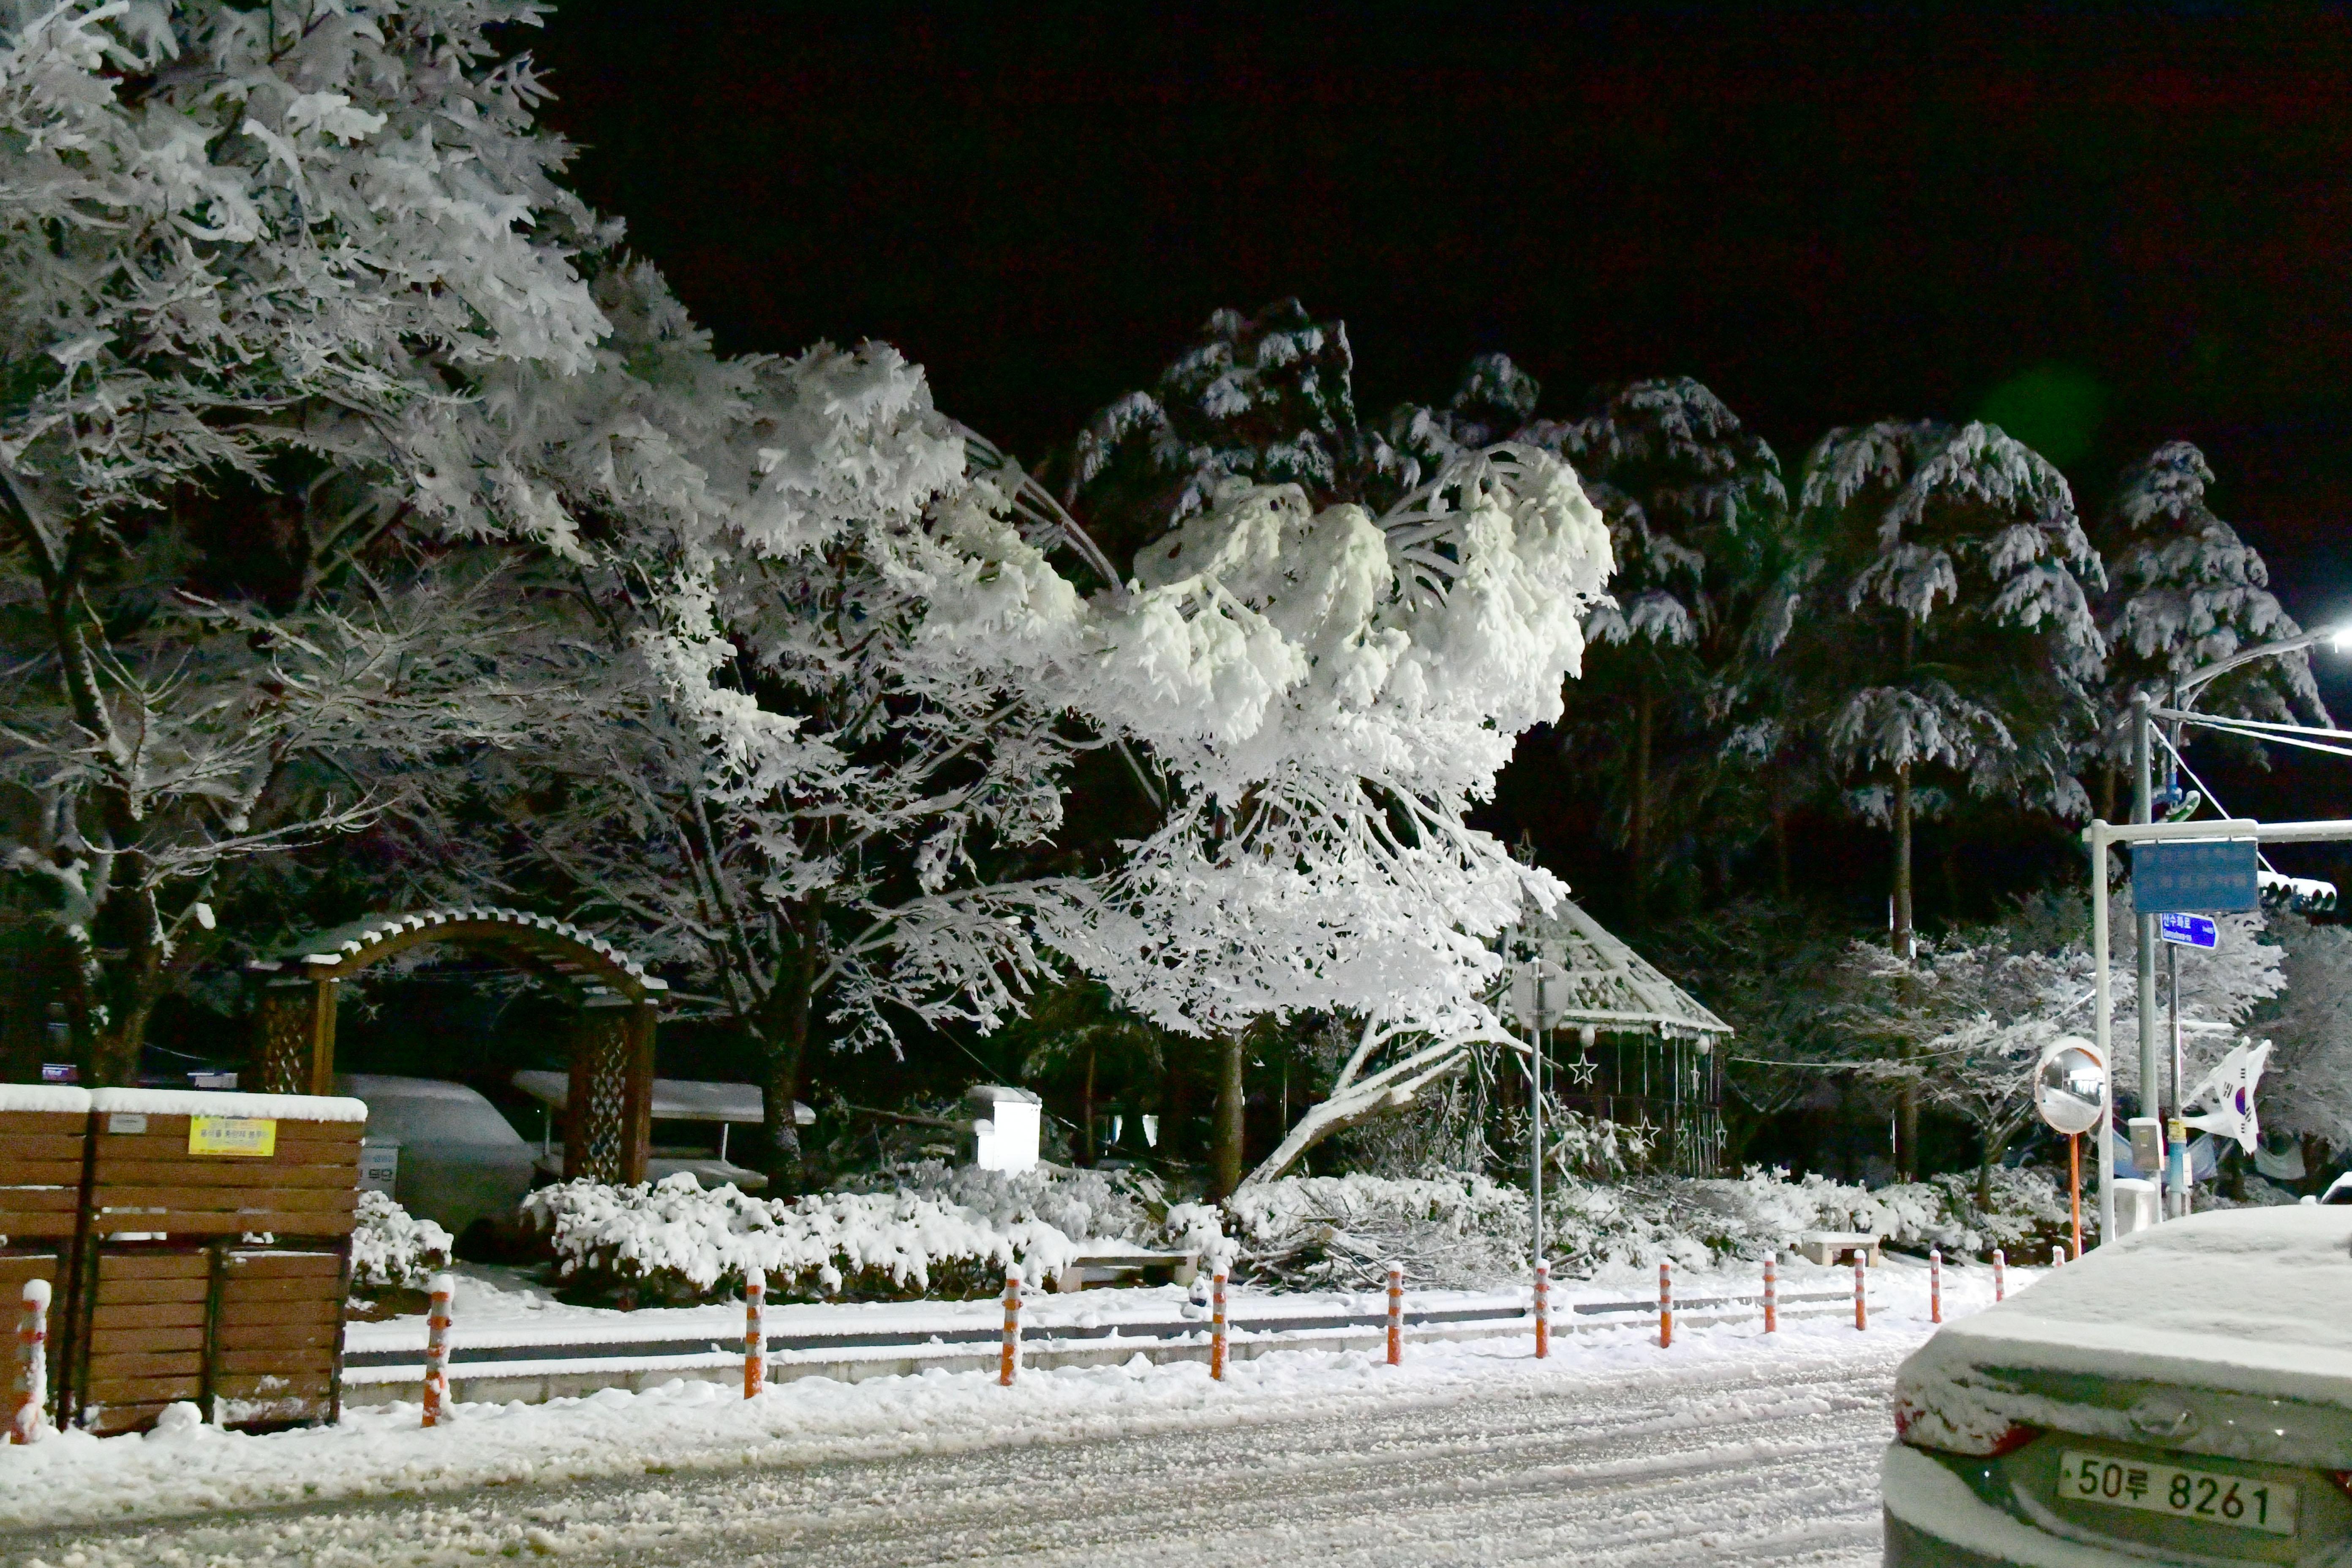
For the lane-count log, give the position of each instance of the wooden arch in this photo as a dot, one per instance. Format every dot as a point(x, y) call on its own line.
point(608, 1123)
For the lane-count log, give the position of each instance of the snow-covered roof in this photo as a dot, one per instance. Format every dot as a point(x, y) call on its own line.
point(352, 945)
point(675, 1099)
point(1592, 979)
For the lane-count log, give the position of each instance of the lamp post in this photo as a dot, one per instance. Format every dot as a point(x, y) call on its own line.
point(2184, 693)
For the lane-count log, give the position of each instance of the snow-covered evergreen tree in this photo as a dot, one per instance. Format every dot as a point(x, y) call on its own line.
point(2309, 1089)
point(2184, 590)
point(252, 262)
point(1949, 630)
point(1700, 529)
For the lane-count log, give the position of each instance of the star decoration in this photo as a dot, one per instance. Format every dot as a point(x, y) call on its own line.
point(1583, 1071)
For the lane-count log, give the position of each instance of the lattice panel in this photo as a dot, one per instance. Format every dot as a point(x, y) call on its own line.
point(602, 1047)
point(282, 1044)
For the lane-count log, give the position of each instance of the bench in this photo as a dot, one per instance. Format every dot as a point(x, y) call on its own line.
point(1827, 1247)
point(1117, 1266)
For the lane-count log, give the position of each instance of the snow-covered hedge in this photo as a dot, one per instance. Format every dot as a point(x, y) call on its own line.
point(672, 1241)
point(1078, 1202)
point(1467, 1230)
point(393, 1249)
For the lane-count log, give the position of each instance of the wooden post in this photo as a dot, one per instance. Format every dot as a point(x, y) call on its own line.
point(755, 1333)
point(1396, 1314)
point(1935, 1284)
point(436, 1349)
point(322, 1036)
point(1217, 1325)
point(1665, 1306)
point(1543, 1309)
point(1861, 1302)
point(1771, 1299)
point(1008, 1365)
point(2000, 1284)
point(637, 1099)
point(30, 1389)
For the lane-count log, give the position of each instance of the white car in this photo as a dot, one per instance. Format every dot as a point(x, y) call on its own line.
point(2181, 1396)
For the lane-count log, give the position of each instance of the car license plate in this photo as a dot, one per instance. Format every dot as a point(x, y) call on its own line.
point(2241, 1502)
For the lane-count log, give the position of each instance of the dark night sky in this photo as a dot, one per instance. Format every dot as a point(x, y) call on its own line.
point(1826, 215)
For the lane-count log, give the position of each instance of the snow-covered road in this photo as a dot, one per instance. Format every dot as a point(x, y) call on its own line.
point(1722, 1457)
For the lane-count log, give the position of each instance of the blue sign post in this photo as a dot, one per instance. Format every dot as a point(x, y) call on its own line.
point(2210, 875)
point(2186, 930)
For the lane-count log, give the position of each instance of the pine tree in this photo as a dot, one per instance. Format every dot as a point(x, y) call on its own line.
point(1699, 529)
point(2184, 590)
point(1948, 633)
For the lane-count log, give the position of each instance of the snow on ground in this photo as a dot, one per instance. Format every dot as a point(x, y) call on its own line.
point(1729, 1437)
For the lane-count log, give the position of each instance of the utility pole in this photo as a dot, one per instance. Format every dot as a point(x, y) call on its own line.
point(1535, 1103)
point(2142, 813)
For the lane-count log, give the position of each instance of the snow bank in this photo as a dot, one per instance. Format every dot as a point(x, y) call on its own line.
point(390, 1247)
point(673, 1238)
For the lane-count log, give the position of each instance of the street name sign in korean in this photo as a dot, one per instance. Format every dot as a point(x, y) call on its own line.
point(2186, 930)
point(2209, 876)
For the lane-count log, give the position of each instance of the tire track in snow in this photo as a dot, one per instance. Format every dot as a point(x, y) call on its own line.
point(1675, 1465)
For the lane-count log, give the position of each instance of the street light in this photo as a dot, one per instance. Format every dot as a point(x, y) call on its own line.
point(2184, 694)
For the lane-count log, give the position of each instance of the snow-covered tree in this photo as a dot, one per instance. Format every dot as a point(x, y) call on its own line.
point(830, 820)
point(2309, 1089)
point(252, 259)
point(2184, 592)
point(1699, 530)
point(1969, 1013)
point(1326, 693)
point(1264, 399)
point(1949, 630)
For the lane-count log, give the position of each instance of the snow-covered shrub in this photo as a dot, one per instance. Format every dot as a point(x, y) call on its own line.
point(1693, 1221)
point(392, 1249)
point(1121, 1204)
point(1459, 1229)
point(670, 1240)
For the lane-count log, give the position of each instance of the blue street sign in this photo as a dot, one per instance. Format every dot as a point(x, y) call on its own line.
point(2186, 930)
point(2204, 874)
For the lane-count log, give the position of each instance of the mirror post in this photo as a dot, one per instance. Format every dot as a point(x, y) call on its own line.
point(2104, 1005)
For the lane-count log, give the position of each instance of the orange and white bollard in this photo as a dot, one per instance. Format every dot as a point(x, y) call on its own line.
point(1861, 1302)
point(436, 1349)
point(2000, 1271)
point(1665, 1306)
point(29, 1389)
point(1217, 1325)
point(1771, 1299)
point(1396, 1314)
point(1008, 1360)
point(755, 1333)
point(1935, 1284)
point(1543, 1309)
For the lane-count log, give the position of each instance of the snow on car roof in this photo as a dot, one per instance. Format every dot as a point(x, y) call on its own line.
point(2251, 1300)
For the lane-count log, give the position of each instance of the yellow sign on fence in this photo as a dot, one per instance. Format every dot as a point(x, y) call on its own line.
point(233, 1135)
